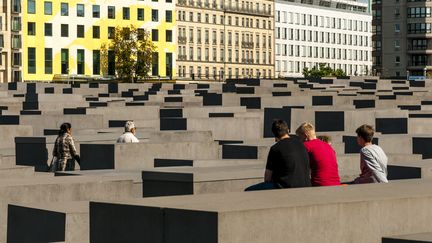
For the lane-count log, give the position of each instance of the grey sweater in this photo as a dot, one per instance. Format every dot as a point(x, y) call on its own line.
point(373, 165)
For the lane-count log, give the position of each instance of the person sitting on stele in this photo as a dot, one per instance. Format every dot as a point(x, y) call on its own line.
point(322, 157)
point(287, 162)
point(373, 160)
point(129, 135)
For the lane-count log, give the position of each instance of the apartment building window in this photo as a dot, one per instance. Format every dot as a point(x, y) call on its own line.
point(31, 28)
point(111, 12)
point(168, 34)
point(140, 14)
point(199, 53)
point(80, 10)
point(141, 34)
point(64, 61)
point(191, 53)
point(16, 59)
point(16, 23)
point(80, 61)
point(16, 41)
point(16, 6)
point(64, 30)
point(168, 66)
point(80, 31)
point(64, 9)
point(126, 13)
point(96, 62)
point(48, 61)
point(199, 36)
point(111, 32)
point(397, 28)
point(31, 52)
point(96, 11)
point(397, 45)
point(111, 62)
point(155, 35)
point(96, 32)
point(168, 16)
point(31, 6)
point(191, 16)
point(155, 15)
point(155, 64)
point(48, 8)
point(397, 60)
point(1, 41)
point(199, 17)
point(191, 36)
point(48, 29)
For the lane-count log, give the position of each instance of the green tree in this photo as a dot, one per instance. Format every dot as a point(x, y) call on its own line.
point(133, 49)
point(339, 73)
point(322, 71)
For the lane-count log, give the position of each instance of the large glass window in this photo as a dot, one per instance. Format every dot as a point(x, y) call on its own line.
point(31, 6)
point(64, 9)
point(155, 64)
point(111, 62)
point(16, 41)
point(48, 8)
point(48, 61)
point(64, 61)
point(96, 62)
point(31, 52)
point(80, 61)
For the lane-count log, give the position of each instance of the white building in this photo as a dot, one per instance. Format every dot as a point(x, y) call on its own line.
point(335, 32)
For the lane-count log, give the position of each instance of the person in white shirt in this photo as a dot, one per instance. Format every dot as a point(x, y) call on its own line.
point(129, 135)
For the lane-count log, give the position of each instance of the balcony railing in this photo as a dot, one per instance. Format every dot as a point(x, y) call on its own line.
point(182, 39)
point(238, 9)
point(246, 44)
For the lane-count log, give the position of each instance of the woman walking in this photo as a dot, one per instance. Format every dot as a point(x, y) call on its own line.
point(64, 149)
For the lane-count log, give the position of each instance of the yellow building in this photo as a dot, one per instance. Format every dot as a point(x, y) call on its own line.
point(63, 37)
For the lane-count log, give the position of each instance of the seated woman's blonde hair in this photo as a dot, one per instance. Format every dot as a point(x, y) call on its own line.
point(306, 129)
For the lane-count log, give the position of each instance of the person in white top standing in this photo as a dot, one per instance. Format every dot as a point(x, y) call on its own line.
point(129, 135)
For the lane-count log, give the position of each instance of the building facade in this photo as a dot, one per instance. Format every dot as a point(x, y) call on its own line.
point(402, 38)
point(220, 39)
point(337, 33)
point(10, 41)
point(63, 38)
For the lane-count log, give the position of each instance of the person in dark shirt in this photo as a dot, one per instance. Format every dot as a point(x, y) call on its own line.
point(287, 162)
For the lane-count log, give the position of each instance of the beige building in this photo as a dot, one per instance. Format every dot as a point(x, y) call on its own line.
point(219, 39)
point(10, 41)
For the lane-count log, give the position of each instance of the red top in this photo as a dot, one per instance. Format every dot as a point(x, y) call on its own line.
point(323, 163)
